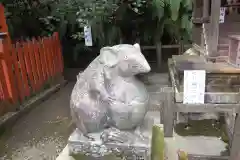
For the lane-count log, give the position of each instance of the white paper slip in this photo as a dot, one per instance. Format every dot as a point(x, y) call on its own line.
point(194, 86)
point(222, 15)
point(88, 36)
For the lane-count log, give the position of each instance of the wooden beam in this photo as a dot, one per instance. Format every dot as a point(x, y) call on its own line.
point(159, 54)
point(167, 46)
point(205, 108)
point(205, 9)
point(200, 20)
point(214, 26)
point(203, 157)
point(232, 5)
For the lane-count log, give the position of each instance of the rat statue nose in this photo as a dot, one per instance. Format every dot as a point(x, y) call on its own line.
point(141, 60)
point(146, 67)
point(143, 63)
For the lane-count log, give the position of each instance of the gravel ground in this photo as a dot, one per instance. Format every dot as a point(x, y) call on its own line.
point(42, 133)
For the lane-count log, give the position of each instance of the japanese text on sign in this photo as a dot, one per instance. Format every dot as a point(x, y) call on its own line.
point(194, 86)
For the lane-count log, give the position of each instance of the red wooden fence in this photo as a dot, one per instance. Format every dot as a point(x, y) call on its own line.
point(25, 67)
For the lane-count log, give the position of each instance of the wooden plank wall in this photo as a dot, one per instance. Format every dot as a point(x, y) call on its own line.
point(26, 66)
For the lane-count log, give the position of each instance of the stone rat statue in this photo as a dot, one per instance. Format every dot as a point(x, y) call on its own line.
point(107, 92)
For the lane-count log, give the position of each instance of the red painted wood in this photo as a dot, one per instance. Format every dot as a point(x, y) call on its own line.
point(46, 59)
point(25, 61)
point(5, 92)
point(49, 56)
point(6, 62)
point(30, 51)
point(26, 66)
point(8, 72)
point(17, 74)
point(38, 63)
point(42, 59)
point(23, 68)
point(54, 56)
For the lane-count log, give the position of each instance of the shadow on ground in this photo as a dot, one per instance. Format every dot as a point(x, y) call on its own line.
point(43, 132)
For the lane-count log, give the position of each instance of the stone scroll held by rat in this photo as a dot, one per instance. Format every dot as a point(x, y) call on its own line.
point(107, 94)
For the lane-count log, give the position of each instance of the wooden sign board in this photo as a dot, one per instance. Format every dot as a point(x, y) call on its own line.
point(194, 86)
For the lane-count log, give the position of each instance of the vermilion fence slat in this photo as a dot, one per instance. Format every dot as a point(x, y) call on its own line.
point(25, 53)
point(53, 55)
point(44, 48)
point(41, 58)
point(1, 93)
point(3, 82)
point(38, 63)
point(49, 58)
point(33, 64)
point(23, 68)
point(35, 61)
point(56, 54)
point(17, 74)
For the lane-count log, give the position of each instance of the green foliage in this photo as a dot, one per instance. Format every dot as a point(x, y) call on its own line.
point(24, 17)
point(174, 6)
point(113, 20)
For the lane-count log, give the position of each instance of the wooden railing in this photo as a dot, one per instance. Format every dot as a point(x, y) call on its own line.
point(26, 67)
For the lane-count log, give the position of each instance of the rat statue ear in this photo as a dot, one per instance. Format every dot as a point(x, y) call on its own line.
point(136, 45)
point(108, 56)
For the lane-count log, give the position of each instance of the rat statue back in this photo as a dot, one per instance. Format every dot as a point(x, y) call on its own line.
point(108, 94)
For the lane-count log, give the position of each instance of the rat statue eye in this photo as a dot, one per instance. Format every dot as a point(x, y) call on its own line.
point(125, 57)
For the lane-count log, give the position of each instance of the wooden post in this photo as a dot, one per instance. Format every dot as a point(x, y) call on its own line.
point(235, 147)
point(6, 62)
point(205, 9)
point(168, 111)
point(214, 27)
point(180, 47)
point(159, 54)
point(60, 52)
point(202, 40)
point(205, 16)
point(197, 28)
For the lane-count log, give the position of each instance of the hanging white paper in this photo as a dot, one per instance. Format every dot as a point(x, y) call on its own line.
point(222, 15)
point(88, 36)
point(194, 86)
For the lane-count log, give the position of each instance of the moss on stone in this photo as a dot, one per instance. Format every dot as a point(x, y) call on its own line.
point(157, 148)
point(84, 157)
